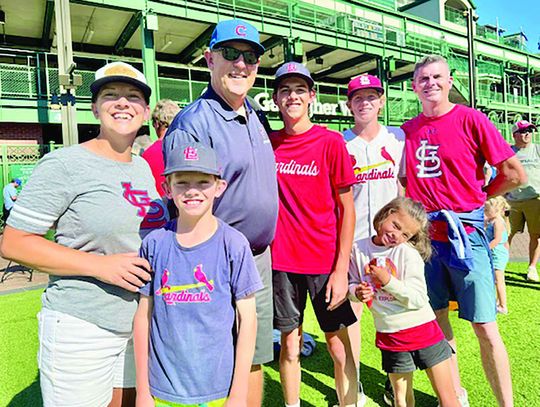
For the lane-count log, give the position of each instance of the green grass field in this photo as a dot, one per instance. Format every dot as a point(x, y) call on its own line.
point(19, 382)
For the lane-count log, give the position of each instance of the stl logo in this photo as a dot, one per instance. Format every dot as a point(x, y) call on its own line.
point(137, 197)
point(291, 68)
point(429, 163)
point(190, 154)
point(240, 30)
point(364, 80)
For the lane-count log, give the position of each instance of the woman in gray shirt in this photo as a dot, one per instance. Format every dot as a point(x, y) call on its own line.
point(98, 198)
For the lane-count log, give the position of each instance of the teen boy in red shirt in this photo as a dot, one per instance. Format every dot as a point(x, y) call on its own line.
point(311, 250)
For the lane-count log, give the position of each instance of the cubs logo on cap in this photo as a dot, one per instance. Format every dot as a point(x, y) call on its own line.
point(194, 157)
point(289, 69)
point(236, 30)
point(120, 72)
point(241, 30)
point(364, 82)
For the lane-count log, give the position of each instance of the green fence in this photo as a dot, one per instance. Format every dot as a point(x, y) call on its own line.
point(18, 81)
point(19, 160)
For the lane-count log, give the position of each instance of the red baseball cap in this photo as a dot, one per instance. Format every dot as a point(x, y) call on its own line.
point(364, 82)
point(522, 125)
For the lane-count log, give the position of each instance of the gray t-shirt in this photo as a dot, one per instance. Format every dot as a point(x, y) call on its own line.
point(530, 159)
point(96, 205)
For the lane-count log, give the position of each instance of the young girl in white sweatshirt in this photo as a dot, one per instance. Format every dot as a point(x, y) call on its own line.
point(387, 273)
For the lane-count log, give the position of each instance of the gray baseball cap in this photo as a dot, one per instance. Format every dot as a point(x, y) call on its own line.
point(194, 157)
point(289, 69)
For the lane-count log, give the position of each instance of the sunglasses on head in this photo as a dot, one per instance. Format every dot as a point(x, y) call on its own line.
point(232, 54)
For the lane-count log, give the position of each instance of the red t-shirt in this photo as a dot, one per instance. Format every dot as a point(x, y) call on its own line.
point(154, 156)
point(410, 339)
point(311, 167)
point(445, 157)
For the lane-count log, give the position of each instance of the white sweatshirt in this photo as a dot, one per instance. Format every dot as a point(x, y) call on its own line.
point(403, 302)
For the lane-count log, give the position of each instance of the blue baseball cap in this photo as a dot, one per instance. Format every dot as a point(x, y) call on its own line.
point(194, 157)
point(236, 30)
point(17, 181)
point(289, 69)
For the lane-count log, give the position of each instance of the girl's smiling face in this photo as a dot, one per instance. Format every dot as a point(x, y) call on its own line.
point(397, 228)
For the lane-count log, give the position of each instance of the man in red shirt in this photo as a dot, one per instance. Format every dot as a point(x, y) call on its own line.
point(162, 116)
point(446, 147)
point(312, 246)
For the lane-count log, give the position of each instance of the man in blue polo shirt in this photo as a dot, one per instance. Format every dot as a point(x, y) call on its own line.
point(223, 119)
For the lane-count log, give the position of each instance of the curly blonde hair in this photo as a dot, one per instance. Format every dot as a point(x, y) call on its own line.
point(420, 241)
point(498, 204)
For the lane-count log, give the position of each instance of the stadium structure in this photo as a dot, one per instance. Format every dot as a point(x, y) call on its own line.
point(50, 49)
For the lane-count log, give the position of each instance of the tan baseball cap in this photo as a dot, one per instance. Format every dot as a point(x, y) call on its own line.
point(120, 72)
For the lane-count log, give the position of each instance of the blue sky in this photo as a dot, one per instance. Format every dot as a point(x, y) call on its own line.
point(512, 16)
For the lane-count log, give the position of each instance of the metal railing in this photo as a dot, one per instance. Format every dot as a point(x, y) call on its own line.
point(488, 68)
point(486, 33)
point(455, 16)
point(18, 81)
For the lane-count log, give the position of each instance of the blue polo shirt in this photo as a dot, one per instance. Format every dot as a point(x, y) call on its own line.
point(250, 202)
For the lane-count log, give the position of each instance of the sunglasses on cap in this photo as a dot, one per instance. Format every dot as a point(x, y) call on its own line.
point(232, 54)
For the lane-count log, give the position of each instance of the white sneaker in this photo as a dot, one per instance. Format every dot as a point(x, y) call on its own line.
point(362, 400)
point(464, 398)
point(532, 274)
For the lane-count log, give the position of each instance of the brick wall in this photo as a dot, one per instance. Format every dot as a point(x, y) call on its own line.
point(13, 133)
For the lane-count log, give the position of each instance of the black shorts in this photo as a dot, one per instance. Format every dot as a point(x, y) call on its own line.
point(290, 295)
point(405, 362)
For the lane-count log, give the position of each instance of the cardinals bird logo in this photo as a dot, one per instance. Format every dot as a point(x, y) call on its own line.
point(164, 286)
point(201, 277)
point(387, 156)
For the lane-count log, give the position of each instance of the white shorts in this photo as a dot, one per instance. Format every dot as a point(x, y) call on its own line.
point(80, 363)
